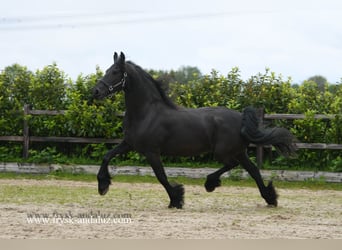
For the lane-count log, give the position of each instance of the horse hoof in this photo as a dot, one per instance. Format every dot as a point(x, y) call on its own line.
point(273, 203)
point(210, 185)
point(103, 191)
point(209, 189)
point(271, 195)
point(178, 206)
point(103, 185)
point(177, 199)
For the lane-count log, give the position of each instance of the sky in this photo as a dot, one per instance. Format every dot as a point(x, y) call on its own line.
point(294, 38)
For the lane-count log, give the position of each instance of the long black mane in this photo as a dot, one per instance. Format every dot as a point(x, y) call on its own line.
point(158, 84)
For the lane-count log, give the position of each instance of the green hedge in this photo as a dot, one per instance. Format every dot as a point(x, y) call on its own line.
point(50, 88)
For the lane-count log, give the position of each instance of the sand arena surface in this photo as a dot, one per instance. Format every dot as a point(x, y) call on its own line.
point(227, 213)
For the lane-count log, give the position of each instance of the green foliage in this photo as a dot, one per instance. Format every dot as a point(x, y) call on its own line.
point(268, 91)
point(47, 88)
point(183, 75)
point(97, 151)
point(10, 152)
point(236, 174)
point(336, 165)
point(210, 90)
point(47, 155)
point(51, 89)
point(320, 80)
point(14, 86)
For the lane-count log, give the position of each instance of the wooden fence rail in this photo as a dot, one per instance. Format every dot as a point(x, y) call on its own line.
point(264, 117)
point(26, 138)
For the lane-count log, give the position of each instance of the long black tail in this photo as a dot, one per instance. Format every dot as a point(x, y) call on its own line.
point(280, 138)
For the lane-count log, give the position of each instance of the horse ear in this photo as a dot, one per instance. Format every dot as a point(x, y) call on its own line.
point(122, 57)
point(121, 61)
point(115, 57)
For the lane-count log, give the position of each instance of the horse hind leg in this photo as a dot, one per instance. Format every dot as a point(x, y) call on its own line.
point(213, 180)
point(267, 192)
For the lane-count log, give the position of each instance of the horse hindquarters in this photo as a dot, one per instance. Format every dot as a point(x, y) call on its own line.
point(230, 149)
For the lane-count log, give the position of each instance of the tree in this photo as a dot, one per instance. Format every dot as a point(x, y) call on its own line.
point(186, 73)
point(47, 89)
point(14, 87)
point(320, 80)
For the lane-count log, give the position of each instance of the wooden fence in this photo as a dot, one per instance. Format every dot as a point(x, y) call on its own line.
point(268, 117)
point(26, 138)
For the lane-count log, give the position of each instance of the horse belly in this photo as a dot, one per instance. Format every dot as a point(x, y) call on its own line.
point(186, 144)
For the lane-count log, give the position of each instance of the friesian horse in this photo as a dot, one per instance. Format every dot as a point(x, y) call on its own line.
point(154, 126)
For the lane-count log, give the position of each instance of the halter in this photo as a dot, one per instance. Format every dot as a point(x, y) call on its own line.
point(111, 88)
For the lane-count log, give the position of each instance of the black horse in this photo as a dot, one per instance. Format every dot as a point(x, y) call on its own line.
point(155, 126)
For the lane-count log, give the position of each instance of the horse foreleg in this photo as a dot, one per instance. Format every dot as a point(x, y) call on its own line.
point(267, 192)
point(103, 176)
point(213, 180)
point(175, 191)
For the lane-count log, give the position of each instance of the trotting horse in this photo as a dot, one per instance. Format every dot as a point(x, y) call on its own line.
point(155, 126)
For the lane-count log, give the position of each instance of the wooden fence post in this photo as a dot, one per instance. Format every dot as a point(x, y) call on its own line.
point(259, 148)
point(26, 132)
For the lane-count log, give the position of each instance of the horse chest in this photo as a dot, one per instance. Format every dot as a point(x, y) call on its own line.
point(142, 136)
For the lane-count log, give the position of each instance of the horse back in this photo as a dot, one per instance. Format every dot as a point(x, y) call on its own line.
point(194, 131)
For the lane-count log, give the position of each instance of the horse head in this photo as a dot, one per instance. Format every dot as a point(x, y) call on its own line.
point(114, 79)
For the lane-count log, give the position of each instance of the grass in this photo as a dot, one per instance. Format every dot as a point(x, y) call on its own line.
point(309, 184)
point(43, 194)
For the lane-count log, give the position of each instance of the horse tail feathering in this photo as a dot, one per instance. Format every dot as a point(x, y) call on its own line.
point(280, 138)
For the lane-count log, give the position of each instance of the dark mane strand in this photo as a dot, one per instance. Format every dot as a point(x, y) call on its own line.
point(157, 84)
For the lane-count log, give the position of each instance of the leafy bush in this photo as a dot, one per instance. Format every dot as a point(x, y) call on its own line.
point(47, 155)
point(50, 88)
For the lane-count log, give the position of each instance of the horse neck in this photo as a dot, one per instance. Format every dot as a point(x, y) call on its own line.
point(141, 98)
